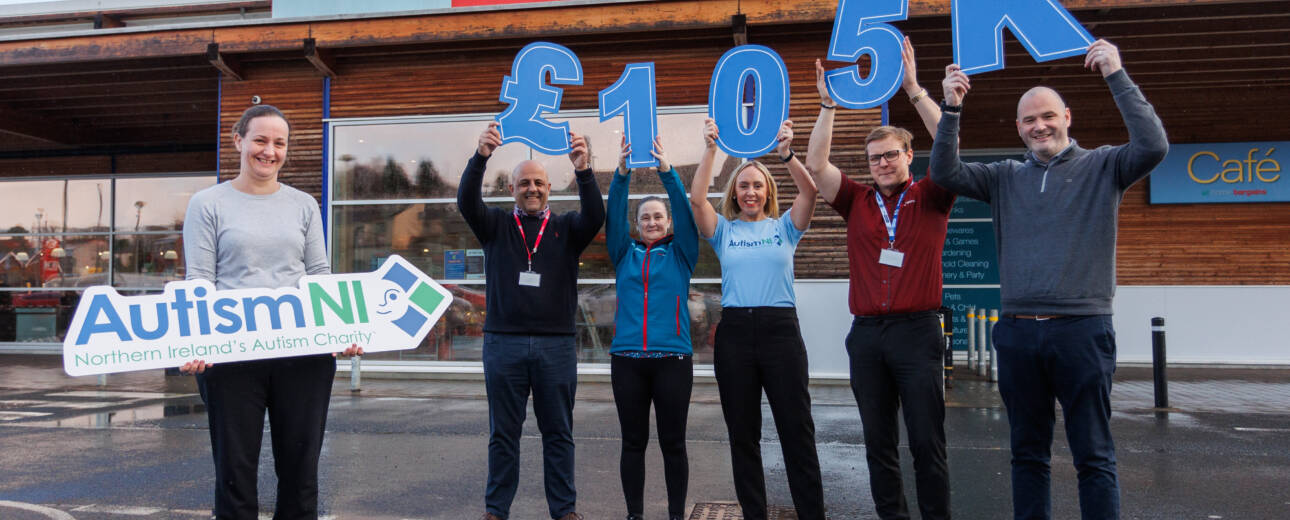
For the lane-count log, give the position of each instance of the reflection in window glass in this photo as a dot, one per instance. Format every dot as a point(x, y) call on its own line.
point(54, 261)
point(155, 203)
point(36, 316)
point(414, 160)
point(434, 237)
point(38, 206)
point(147, 260)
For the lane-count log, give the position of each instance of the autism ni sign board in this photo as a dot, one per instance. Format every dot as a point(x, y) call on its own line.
point(392, 308)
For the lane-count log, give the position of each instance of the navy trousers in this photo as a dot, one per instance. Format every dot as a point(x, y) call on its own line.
point(547, 366)
point(1071, 360)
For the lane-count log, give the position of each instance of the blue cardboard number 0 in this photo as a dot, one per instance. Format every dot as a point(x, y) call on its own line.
point(633, 97)
point(529, 96)
point(858, 29)
point(770, 108)
point(1045, 28)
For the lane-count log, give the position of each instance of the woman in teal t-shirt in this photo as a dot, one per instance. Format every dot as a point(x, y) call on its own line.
point(758, 342)
point(651, 356)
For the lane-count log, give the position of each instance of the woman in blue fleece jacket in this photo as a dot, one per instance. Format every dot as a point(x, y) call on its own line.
point(651, 356)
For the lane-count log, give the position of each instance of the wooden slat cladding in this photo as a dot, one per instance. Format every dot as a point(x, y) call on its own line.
point(297, 90)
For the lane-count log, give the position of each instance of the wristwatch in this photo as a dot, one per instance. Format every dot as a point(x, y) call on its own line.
point(954, 109)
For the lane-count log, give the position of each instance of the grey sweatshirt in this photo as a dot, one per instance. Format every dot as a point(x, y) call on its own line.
point(1055, 223)
point(239, 241)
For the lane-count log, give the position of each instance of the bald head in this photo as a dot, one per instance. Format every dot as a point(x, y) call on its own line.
point(1043, 122)
point(1044, 94)
point(530, 186)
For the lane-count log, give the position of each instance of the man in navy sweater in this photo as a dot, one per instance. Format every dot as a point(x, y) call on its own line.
point(1055, 218)
point(531, 265)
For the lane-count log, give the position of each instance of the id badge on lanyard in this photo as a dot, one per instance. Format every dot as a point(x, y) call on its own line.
point(531, 278)
point(890, 256)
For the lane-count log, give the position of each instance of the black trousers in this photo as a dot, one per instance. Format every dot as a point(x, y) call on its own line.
point(761, 348)
point(667, 382)
point(897, 362)
point(295, 392)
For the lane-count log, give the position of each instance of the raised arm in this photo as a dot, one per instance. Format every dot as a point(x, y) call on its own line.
point(470, 197)
point(591, 215)
point(804, 205)
point(684, 235)
point(827, 176)
point(927, 108)
point(705, 217)
point(946, 168)
point(617, 222)
point(1148, 143)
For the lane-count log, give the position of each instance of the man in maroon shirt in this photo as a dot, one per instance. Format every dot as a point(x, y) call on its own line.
point(895, 234)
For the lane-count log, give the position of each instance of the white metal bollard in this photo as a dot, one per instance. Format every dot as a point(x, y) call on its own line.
point(982, 341)
point(971, 337)
point(992, 368)
point(356, 374)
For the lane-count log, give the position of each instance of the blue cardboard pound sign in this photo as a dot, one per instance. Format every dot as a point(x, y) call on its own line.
point(633, 97)
point(1045, 28)
point(529, 95)
point(741, 135)
point(858, 29)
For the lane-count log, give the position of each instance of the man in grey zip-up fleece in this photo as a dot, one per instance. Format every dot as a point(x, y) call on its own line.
point(1055, 218)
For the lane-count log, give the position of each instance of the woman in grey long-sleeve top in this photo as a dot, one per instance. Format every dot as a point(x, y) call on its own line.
point(254, 232)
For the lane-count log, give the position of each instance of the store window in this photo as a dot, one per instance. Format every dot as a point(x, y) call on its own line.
point(58, 236)
point(393, 191)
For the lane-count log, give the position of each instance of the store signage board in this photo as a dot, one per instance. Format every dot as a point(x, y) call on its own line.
point(392, 308)
point(1222, 173)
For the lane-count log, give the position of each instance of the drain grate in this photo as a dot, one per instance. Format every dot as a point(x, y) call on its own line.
point(730, 511)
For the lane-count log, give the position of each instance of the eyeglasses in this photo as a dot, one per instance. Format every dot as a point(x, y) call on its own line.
point(889, 155)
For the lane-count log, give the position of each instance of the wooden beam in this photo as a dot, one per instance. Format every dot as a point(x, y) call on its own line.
point(228, 66)
point(23, 124)
point(321, 59)
point(536, 21)
point(739, 24)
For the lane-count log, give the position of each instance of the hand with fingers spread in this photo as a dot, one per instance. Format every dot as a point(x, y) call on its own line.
point(490, 139)
point(657, 152)
point(579, 152)
point(1103, 57)
point(955, 85)
point(821, 86)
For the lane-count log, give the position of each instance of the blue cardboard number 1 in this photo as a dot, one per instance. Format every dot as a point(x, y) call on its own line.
point(633, 97)
point(738, 136)
point(529, 96)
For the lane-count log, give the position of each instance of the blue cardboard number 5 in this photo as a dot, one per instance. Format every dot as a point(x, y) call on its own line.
point(529, 96)
point(633, 97)
point(858, 29)
point(748, 134)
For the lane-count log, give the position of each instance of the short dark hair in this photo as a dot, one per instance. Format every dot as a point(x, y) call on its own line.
point(243, 122)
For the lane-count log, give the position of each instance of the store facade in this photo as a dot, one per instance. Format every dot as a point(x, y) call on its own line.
point(386, 108)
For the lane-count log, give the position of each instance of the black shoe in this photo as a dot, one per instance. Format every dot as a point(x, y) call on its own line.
point(631, 516)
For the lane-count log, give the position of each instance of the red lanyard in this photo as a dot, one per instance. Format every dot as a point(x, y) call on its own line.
point(525, 241)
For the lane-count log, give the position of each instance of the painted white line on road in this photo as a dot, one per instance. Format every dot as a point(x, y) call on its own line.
point(1275, 430)
point(128, 395)
point(49, 512)
point(13, 416)
point(119, 510)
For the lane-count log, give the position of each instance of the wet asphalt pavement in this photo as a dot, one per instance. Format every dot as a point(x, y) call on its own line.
point(138, 448)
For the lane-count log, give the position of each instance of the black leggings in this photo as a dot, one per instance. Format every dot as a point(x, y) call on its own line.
point(667, 382)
